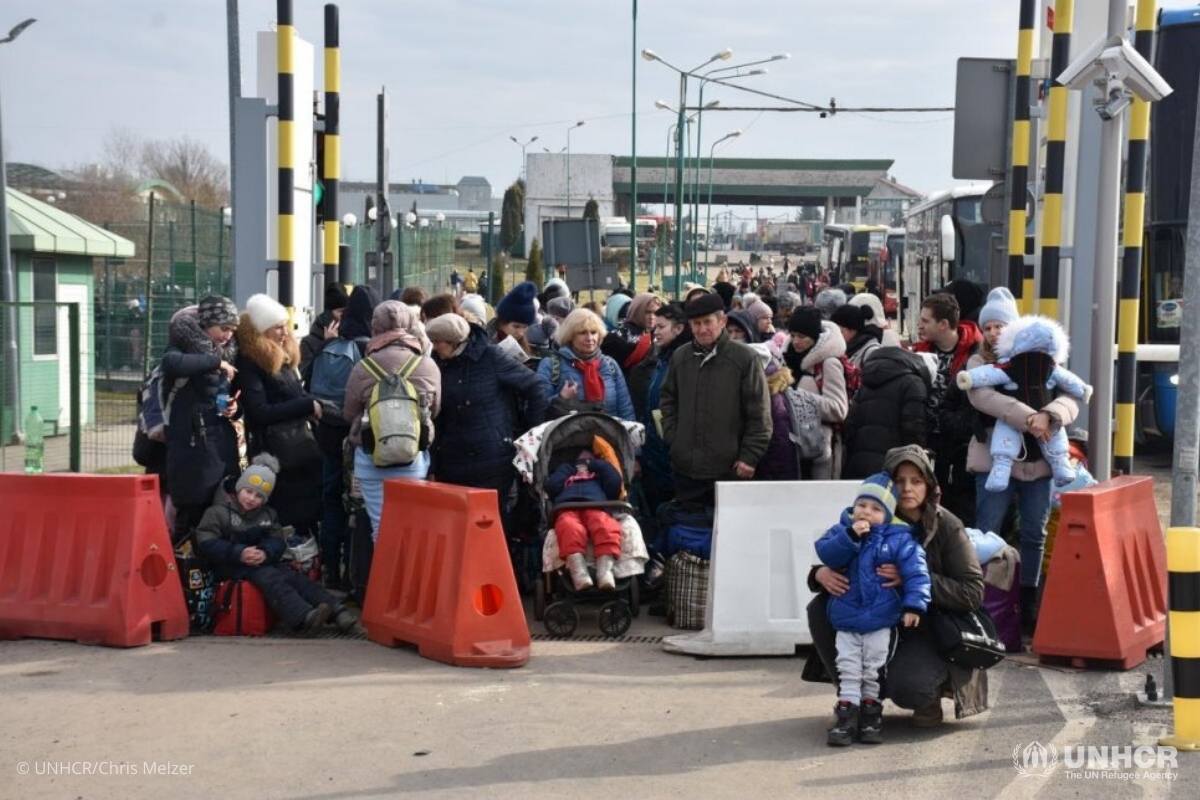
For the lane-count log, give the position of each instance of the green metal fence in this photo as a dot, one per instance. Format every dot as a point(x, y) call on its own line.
point(424, 257)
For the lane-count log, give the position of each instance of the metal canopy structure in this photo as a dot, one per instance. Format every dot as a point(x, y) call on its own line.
point(755, 181)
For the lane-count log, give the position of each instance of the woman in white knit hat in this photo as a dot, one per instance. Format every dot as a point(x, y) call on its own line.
point(277, 409)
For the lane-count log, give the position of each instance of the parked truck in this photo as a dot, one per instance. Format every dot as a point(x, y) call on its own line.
point(792, 237)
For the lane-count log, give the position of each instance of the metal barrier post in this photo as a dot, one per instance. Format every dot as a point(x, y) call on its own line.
point(76, 464)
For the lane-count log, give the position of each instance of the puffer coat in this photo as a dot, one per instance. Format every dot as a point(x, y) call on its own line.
point(888, 411)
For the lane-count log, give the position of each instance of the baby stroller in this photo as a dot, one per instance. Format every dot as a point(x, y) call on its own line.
point(539, 452)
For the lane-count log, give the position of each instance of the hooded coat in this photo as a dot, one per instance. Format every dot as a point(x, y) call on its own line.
point(825, 357)
point(888, 411)
point(271, 394)
point(488, 399)
point(201, 443)
point(393, 343)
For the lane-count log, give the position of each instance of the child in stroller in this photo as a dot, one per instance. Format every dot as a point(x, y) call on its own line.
point(587, 480)
point(553, 451)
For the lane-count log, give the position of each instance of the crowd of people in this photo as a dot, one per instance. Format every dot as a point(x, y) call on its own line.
point(718, 379)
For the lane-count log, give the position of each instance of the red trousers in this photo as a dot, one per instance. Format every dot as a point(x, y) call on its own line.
point(576, 526)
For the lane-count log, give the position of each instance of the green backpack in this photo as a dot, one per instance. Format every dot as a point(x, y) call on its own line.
point(397, 430)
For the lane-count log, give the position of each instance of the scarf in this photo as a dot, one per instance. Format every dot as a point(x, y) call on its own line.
point(593, 381)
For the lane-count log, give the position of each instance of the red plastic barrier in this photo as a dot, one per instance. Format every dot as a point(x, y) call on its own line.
point(441, 577)
point(87, 558)
point(1106, 594)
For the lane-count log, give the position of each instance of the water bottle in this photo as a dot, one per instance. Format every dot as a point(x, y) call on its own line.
point(223, 397)
point(35, 443)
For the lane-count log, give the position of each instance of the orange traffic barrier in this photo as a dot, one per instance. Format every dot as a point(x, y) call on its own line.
point(1106, 595)
point(441, 577)
point(87, 558)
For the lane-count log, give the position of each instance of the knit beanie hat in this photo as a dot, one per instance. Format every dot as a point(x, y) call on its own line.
point(725, 290)
point(217, 310)
point(806, 320)
point(474, 304)
point(517, 305)
point(828, 300)
point(1001, 306)
point(260, 475)
point(265, 313)
point(852, 317)
point(335, 296)
point(759, 310)
point(882, 489)
point(559, 307)
point(449, 328)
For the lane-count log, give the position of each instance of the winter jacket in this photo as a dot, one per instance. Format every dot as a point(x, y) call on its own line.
point(949, 411)
point(271, 394)
point(391, 349)
point(715, 409)
point(488, 399)
point(312, 344)
point(226, 530)
point(830, 393)
point(645, 388)
point(201, 443)
point(616, 393)
point(601, 482)
point(994, 404)
point(779, 463)
point(867, 606)
point(888, 411)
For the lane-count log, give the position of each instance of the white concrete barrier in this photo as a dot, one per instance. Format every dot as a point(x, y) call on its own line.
point(762, 551)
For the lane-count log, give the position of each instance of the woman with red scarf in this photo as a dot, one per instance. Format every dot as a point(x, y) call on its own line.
point(578, 376)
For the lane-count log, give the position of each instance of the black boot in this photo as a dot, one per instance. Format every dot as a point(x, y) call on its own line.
point(845, 729)
point(1029, 610)
point(870, 722)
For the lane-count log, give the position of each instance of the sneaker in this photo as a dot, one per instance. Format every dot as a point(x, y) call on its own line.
point(315, 618)
point(346, 621)
point(845, 729)
point(870, 722)
point(928, 717)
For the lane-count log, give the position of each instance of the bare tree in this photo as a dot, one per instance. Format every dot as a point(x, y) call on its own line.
point(190, 167)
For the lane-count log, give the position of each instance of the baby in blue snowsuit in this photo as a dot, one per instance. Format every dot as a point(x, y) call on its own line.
point(865, 616)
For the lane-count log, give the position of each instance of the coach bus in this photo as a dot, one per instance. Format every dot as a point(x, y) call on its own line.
point(1172, 122)
point(946, 239)
point(892, 260)
point(851, 253)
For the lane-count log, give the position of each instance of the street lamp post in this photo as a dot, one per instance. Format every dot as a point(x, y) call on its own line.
point(522, 145)
point(12, 367)
point(650, 55)
point(708, 217)
point(573, 127)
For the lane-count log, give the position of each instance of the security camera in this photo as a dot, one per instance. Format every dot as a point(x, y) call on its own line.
point(1125, 63)
point(1115, 60)
point(1118, 101)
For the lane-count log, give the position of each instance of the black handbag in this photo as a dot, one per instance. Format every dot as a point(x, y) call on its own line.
point(966, 638)
point(293, 443)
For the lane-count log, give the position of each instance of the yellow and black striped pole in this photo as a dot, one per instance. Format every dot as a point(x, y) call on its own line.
point(1183, 623)
point(333, 143)
point(1131, 262)
point(285, 63)
point(1056, 147)
point(1020, 280)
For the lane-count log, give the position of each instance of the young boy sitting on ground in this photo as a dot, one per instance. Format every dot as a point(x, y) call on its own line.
point(239, 536)
point(865, 616)
point(588, 479)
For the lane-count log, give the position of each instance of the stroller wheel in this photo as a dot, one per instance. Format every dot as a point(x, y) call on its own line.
point(561, 619)
point(615, 618)
point(539, 598)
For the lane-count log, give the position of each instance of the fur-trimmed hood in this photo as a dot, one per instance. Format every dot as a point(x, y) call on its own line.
point(268, 355)
point(185, 333)
point(1034, 334)
point(830, 344)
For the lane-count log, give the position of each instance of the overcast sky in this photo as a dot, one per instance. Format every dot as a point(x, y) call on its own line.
point(464, 75)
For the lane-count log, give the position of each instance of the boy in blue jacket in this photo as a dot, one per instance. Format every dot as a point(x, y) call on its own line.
point(588, 479)
point(867, 537)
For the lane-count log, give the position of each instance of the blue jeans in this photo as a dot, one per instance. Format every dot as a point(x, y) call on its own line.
point(371, 478)
point(1033, 506)
point(333, 517)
